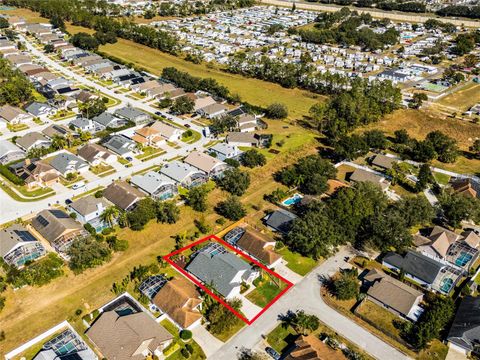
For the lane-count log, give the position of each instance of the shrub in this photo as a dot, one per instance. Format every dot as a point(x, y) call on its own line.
point(78, 312)
point(189, 348)
point(185, 334)
point(10, 176)
point(185, 353)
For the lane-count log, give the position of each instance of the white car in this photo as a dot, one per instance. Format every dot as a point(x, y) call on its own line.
point(78, 185)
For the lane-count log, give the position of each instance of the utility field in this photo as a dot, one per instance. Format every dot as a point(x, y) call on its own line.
point(464, 98)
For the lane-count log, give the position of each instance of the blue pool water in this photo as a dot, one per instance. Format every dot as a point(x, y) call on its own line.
point(463, 259)
point(295, 199)
point(446, 285)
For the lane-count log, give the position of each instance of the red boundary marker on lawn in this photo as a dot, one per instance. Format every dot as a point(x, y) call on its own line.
point(216, 297)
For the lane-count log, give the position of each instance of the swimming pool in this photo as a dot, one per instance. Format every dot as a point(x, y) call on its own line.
point(446, 285)
point(463, 259)
point(292, 200)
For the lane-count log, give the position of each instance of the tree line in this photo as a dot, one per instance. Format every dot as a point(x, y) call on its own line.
point(349, 28)
point(198, 8)
point(15, 89)
point(397, 5)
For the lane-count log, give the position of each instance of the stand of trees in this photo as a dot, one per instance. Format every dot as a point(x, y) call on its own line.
point(220, 319)
point(235, 181)
point(361, 215)
point(148, 209)
point(342, 27)
point(397, 5)
point(15, 89)
point(472, 12)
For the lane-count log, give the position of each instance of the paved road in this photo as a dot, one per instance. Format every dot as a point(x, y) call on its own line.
point(376, 13)
point(11, 209)
point(306, 295)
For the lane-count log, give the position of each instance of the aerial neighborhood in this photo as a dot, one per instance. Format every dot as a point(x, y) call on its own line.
point(239, 180)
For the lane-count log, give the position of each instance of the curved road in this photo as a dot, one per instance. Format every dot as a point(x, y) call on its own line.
point(305, 295)
point(392, 15)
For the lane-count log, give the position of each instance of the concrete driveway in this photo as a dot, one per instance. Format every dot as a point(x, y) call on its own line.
point(286, 273)
point(209, 343)
point(249, 308)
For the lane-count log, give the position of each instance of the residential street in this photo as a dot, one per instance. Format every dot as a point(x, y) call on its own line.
point(306, 295)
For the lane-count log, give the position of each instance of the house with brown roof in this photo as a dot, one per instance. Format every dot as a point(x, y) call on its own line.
point(206, 163)
point(461, 250)
point(360, 175)
point(395, 296)
point(147, 136)
point(312, 348)
point(37, 174)
point(383, 161)
point(464, 187)
point(14, 115)
point(96, 154)
point(260, 247)
point(134, 336)
point(58, 228)
point(181, 301)
point(122, 194)
point(166, 131)
point(33, 140)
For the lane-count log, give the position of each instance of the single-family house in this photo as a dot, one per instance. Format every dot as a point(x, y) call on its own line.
point(18, 246)
point(36, 173)
point(58, 228)
point(259, 246)
point(10, 152)
point(81, 124)
point(135, 336)
point(242, 139)
point(40, 110)
point(360, 175)
point(148, 136)
point(122, 195)
point(212, 111)
point(66, 163)
point(465, 186)
point(395, 296)
point(206, 163)
point(67, 344)
point(280, 220)
point(222, 270)
point(247, 123)
point(383, 161)
point(181, 301)
point(225, 151)
point(96, 154)
point(464, 334)
point(121, 145)
point(108, 120)
point(166, 131)
point(427, 272)
point(201, 102)
point(33, 140)
point(184, 174)
point(14, 115)
point(54, 130)
point(89, 210)
point(156, 185)
point(134, 115)
point(460, 250)
point(312, 348)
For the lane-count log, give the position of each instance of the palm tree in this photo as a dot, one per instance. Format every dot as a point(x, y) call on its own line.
point(304, 323)
point(58, 142)
point(109, 215)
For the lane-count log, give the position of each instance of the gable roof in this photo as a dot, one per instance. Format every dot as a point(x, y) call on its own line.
point(280, 220)
point(383, 161)
point(122, 194)
point(416, 264)
point(218, 270)
point(360, 175)
point(90, 151)
point(62, 161)
point(88, 204)
point(56, 129)
point(257, 245)
point(9, 112)
point(7, 147)
point(119, 337)
point(465, 329)
point(312, 348)
point(202, 161)
point(12, 236)
point(394, 294)
point(179, 298)
point(29, 139)
point(52, 224)
point(151, 181)
point(178, 171)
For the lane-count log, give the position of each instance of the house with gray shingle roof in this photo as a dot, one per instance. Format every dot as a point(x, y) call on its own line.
point(134, 115)
point(184, 174)
point(225, 151)
point(40, 110)
point(121, 145)
point(222, 270)
point(156, 185)
point(108, 120)
point(66, 163)
point(10, 152)
point(18, 245)
point(89, 209)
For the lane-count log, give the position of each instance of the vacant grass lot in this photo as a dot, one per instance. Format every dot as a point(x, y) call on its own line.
point(419, 124)
point(464, 98)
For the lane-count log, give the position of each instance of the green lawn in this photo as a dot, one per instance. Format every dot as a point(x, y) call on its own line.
point(193, 138)
point(149, 152)
point(265, 291)
point(281, 337)
point(102, 170)
point(17, 127)
point(442, 179)
point(296, 262)
point(89, 192)
point(198, 353)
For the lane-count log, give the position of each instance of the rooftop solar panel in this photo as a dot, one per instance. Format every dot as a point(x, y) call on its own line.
point(59, 214)
point(24, 235)
point(42, 220)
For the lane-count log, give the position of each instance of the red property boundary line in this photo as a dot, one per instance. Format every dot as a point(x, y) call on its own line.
point(216, 297)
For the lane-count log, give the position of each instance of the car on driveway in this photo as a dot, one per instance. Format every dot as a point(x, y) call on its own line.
point(128, 158)
point(273, 353)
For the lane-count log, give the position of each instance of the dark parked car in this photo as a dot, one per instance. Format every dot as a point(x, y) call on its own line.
point(273, 354)
point(68, 201)
point(187, 125)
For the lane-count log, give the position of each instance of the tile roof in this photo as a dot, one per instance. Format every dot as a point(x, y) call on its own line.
point(257, 245)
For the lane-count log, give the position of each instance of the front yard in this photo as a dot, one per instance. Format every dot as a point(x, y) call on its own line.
point(265, 290)
point(296, 262)
point(102, 170)
point(150, 152)
point(179, 344)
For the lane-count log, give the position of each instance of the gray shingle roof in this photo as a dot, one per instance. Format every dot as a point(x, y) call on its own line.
point(416, 264)
point(218, 270)
point(281, 220)
point(151, 181)
point(63, 161)
point(465, 330)
point(179, 171)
